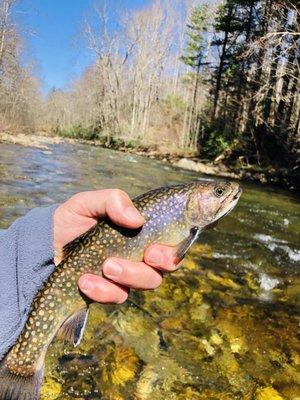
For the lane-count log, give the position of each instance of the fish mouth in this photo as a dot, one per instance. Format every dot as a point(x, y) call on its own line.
point(233, 202)
point(238, 194)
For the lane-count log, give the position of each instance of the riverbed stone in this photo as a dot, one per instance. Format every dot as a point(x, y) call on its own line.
point(268, 393)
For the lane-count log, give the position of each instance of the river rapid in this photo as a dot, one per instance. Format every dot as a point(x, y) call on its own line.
point(224, 327)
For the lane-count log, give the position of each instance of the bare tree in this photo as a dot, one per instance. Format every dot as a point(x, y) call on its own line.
point(20, 99)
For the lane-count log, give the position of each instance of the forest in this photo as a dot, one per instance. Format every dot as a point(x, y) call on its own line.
point(216, 80)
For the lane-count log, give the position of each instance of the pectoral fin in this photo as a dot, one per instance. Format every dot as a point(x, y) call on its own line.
point(186, 243)
point(73, 328)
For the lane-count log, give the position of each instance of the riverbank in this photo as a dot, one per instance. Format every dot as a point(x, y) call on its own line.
point(278, 177)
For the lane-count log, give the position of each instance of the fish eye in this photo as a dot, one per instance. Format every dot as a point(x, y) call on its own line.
point(219, 191)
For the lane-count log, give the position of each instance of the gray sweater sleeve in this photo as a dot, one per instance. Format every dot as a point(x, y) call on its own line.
point(26, 261)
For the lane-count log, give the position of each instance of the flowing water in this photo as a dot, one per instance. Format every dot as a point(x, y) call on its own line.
point(224, 327)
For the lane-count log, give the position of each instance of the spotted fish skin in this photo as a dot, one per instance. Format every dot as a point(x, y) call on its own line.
point(170, 213)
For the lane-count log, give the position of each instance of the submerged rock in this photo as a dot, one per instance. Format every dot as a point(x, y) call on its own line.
point(51, 389)
point(268, 393)
point(121, 367)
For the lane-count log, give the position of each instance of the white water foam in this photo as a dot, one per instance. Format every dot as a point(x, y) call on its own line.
point(273, 244)
point(221, 255)
point(267, 284)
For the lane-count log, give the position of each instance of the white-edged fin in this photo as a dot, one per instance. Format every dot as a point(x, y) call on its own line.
point(73, 328)
point(187, 243)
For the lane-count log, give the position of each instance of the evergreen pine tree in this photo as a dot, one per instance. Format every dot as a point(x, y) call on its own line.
point(195, 58)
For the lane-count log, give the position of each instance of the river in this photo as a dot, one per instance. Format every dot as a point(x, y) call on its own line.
point(224, 327)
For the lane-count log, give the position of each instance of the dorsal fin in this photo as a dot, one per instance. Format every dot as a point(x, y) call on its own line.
point(73, 328)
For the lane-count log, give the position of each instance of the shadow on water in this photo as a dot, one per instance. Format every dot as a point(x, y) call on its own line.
point(224, 327)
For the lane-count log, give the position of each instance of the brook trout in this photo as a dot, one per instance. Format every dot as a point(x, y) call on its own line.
point(174, 216)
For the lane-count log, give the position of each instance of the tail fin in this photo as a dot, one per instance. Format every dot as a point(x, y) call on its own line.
point(17, 387)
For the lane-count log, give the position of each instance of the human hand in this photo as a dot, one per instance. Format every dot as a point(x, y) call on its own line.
point(80, 213)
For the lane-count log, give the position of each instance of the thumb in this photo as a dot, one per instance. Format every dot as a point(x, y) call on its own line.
point(113, 203)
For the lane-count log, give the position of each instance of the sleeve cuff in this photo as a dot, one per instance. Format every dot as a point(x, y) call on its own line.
point(35, 253)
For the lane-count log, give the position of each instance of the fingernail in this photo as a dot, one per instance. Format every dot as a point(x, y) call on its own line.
point(86, 285)
point(112, 269)
point(155, 257)
point(133, 213)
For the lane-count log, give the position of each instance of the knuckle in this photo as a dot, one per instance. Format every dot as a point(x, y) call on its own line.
point(78, 196)
point(119, 193)
point(78, 200)
point(75, 197)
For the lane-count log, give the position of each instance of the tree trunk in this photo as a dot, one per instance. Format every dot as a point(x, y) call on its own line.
point(294, 94)
point(219, 74)
point(271, 85)
point(251, 119)
point(3, 26)
point(241, 87)
point(193, 121)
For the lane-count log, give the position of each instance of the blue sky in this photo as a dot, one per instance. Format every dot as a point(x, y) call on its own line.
point(54, 40)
